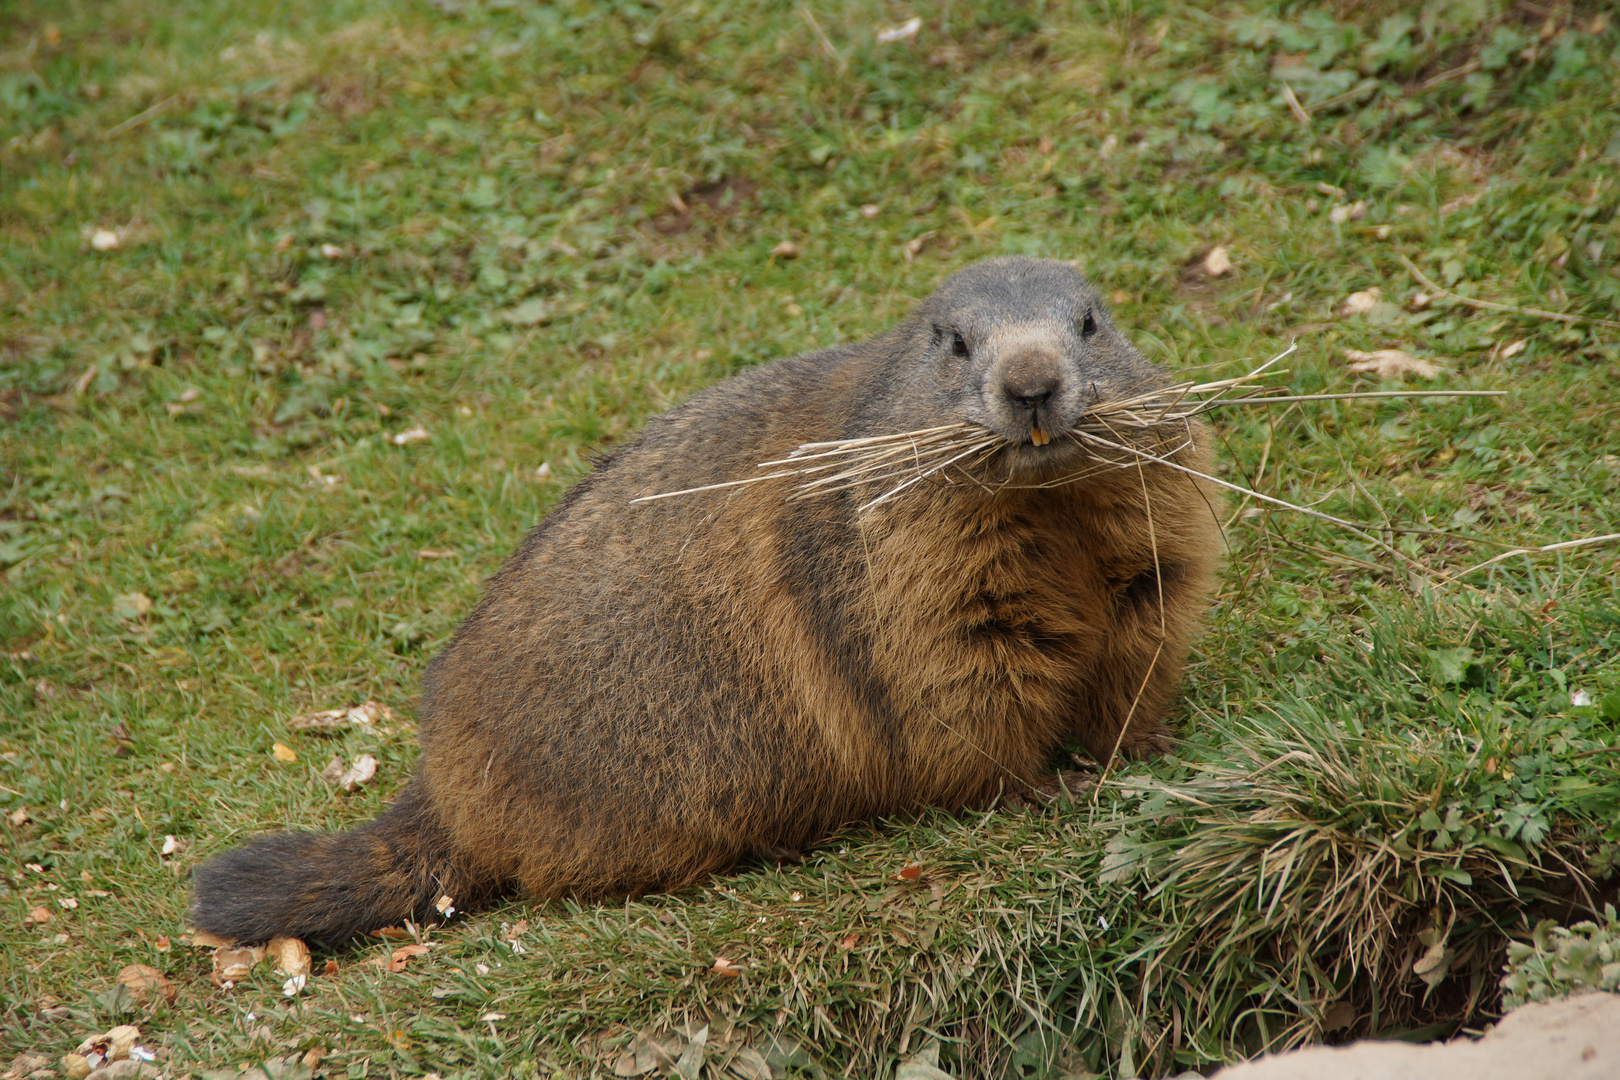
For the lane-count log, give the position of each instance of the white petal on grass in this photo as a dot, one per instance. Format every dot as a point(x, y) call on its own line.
point(901, 32)
point(412, 434)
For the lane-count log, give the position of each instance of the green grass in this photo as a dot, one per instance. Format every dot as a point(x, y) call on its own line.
point(341, 221)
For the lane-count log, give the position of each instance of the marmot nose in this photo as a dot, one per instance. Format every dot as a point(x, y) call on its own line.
point(1030, 392)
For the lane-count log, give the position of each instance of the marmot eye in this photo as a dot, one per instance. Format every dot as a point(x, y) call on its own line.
point(1088, 325)
point(959, 345)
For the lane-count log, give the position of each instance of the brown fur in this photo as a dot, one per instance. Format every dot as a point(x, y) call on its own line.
point(650, 693)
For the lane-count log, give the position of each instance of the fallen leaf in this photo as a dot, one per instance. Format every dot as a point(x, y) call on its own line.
point(147, 983)
point(1353, 212)
point(283, 752)
point(1510, 351)
point(1391, 364)
point(66, 903)
point(290, 954)
point(907, 29)
point(491, 1017)
point(435, 553)
point(131, 605)
point(1218, 262)
point(412, 434)
point(400, 957)
point(19, 816)
point(848, 941)
point(728, 968)
point(367, 712)
point(909, 873)
point(915, 245)
point(1359, 303)
point(331, 967)
point(104, 240)
point(37, 917)
point(787, 249)
point(356, 775)
point(202, 939)
point(531, 312)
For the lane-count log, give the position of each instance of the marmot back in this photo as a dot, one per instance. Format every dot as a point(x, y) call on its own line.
point(652, 691)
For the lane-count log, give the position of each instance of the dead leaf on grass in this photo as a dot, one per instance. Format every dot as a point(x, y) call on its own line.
point(1391, 364)
point(1218, 262)
point(1359, 303)
point(727, 967)
point(363, 714)
point(417, 433)
point(38, 916)
point(283, 752)
point(361, 772)
point(147, 983)
point(400, 957)
point(787, 249)
point(202, 939)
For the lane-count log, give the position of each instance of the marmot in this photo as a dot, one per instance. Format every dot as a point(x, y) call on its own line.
point(653, 691)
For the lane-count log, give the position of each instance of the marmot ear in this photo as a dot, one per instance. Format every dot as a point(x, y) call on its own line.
point(1088, 324)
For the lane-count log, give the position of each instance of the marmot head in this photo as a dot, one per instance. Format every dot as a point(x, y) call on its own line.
point(1022, 346)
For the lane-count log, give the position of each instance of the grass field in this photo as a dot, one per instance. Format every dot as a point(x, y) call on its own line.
point(309, 310)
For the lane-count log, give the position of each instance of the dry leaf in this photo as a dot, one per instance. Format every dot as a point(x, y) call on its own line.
point(446, 905)
point(907, 29)
point(331, 967)
point(1359, 303)
point(435, 553)
point(1510, 351)
point(37, 917)
point(491, 1017)
point(728, 968)
point(1218, 261)
point(104, 240)
point(202, 939)
point(910, 873)
point(412, 434)
point(787, 249)
point(400, 957)
point(1353, 212)
point(19, 816)
point(848, 940)
point(915, 245)
point(363, 771)
point(147, 983)
point(131, 605)
point(1390, 364)
point(365, 713)
point(290, 954)
point(283, 752)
